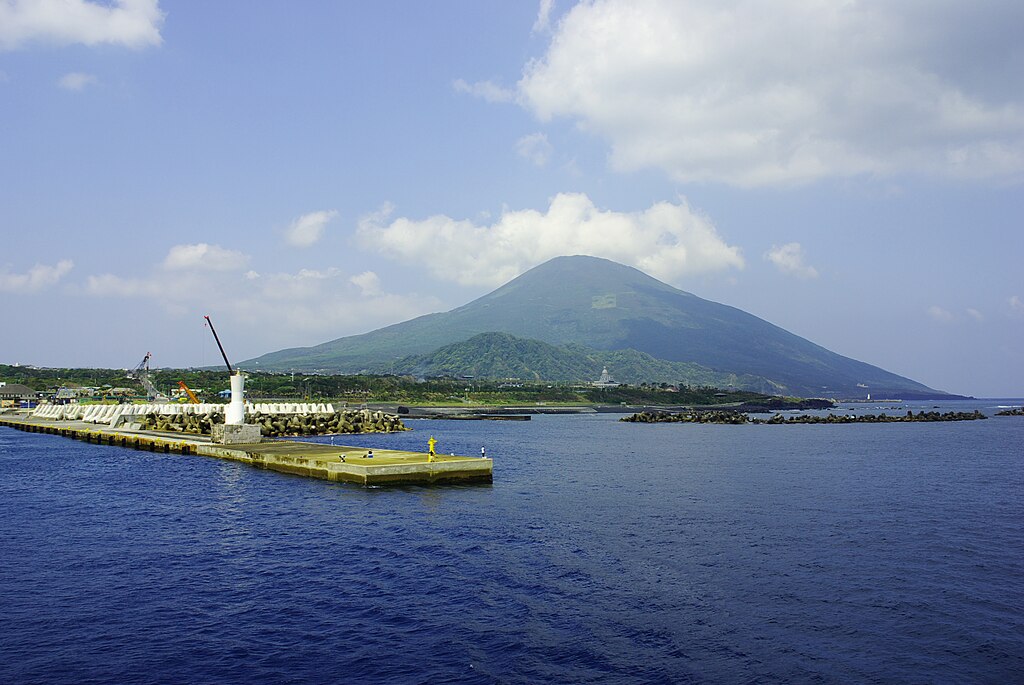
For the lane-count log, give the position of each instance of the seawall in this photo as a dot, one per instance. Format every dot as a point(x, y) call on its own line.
point(337, 463)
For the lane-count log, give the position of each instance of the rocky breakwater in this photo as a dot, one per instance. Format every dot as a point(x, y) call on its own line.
point(1018, 411)
point(687, 417)
point(327, 423)
point(281, 424)
point(778, 419)
point(923, 416)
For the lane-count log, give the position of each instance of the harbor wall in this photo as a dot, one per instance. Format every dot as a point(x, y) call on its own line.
point(389, 467)
point(275, 419)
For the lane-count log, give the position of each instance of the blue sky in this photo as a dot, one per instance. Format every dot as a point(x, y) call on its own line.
point(303, 171)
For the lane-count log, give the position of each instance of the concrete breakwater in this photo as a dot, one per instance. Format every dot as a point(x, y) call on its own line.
point(275, 420)
point(329, 462)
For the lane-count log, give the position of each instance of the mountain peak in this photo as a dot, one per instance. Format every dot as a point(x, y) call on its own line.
point(592, 268)
point(576, 282)
point(605, 306)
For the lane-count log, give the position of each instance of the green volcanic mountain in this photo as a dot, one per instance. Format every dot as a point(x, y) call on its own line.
point(592, 304)
point(500, 355)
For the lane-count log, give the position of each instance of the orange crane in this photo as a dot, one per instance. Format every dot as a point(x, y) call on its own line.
point(188, 391)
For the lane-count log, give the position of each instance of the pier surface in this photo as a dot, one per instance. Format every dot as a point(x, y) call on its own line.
point(315, 460)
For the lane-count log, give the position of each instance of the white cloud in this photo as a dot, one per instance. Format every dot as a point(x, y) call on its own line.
point(790, 91)
point(667, 240)
point(368, 283)
point(302, 285)
point(486, 90)
point(309, 302)
point(319, 302)
point(322, 302)
point(543, 22)
point(109, 285)
point(1016, 304)
point(939, 314)
point(37, 278)
point(204, 257)
point(534, 147)
point(975, 314)
point(76, 80)
point(789, 259)
point(308, 228)
point(131, 23)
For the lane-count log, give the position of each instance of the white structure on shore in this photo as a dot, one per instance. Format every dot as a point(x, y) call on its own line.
point(606, 380)
point(234, 415)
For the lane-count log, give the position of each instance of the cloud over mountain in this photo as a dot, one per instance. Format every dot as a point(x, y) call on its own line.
point(666, 240)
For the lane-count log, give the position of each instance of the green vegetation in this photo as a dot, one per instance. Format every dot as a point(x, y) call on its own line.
point(47, 379)
point(504, 356)
point(358, 389)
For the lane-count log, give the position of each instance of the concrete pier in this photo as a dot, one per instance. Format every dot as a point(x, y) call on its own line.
point(387, 467)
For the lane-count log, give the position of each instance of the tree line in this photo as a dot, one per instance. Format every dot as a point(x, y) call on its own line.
point(358, 389)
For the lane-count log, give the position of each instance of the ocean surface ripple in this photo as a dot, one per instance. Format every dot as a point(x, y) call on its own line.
point(604, 552)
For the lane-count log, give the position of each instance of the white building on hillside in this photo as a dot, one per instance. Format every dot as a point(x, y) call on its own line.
point(606, 380)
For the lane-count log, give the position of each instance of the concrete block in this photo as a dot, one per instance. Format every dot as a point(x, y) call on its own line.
point(242, 434)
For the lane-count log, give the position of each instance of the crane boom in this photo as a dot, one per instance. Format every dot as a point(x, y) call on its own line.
point(141, 373)
point(188, 391)
point(221, 347)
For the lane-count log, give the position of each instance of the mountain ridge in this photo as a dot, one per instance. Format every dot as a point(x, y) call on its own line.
point(503, 356)
point(605, 306)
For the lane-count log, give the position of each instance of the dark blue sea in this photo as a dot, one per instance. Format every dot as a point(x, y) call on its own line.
point(604, 552)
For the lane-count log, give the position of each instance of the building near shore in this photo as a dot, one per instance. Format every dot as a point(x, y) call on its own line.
point(605, 381)
point(15, 394)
